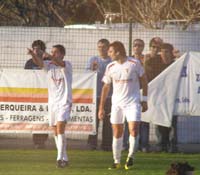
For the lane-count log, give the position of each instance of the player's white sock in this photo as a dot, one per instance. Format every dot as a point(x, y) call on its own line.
point(65, 157)
point(60, 144)
point(117, 148)
point(56, 141)
point(133, 144)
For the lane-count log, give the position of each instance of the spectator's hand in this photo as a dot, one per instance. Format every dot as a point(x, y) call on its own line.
point(101, 114)
point(144, 106)
point(95, 65)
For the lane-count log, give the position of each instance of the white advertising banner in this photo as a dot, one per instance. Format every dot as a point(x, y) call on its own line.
point(176, 91)
point(24, 97)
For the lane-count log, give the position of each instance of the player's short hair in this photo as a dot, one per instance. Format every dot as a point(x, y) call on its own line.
point(61, 48)
point(39, 43)
point(104, 41)
point(118, 47)
point(167, 46)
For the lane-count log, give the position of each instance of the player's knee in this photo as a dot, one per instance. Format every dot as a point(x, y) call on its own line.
point(134, 133)
point(117, 133)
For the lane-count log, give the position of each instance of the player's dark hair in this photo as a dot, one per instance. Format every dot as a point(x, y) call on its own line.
point(118, 47)
point(61, 48)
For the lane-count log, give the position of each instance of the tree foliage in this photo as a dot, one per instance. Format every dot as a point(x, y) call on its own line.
point(150, 13)
point(46, 12)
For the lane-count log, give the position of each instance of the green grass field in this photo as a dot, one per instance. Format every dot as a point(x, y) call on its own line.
point(42, 162)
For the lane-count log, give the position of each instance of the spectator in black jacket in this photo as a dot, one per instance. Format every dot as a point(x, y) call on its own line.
point(39, 138)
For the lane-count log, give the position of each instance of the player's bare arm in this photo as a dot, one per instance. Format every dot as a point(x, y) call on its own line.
point(104, 94)
point(144, 84)
point(56, 60)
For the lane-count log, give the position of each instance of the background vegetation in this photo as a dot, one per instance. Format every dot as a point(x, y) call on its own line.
point(149, 13)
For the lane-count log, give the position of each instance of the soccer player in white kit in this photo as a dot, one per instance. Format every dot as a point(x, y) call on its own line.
point(124, 73)
point(59, 74)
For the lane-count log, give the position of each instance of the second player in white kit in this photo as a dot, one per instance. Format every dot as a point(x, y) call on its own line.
point(125, 74)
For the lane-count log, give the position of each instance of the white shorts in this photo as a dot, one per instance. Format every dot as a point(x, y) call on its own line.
point(59, 114)
point(131, 113)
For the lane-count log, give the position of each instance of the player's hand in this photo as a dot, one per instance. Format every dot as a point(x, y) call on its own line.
point(30, 52)
point(35, 52)
point(46, 55)
point(144, 106)
point(101, 114)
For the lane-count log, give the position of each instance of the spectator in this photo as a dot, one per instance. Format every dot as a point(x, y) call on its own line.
point(59, 73)
point(138, 47)
point(153, 62)
point(39, 138)
point(168, 141)
point(154, 65)
point(176, 53)
point(99, 63)
point(124, 74)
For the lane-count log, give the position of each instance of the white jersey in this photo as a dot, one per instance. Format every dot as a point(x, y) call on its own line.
point(125, 79)
point(59, 83)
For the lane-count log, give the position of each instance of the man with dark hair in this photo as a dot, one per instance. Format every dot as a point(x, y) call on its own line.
point(39, 138)
point(160, 57)
point(36, 45)
point(152, 65)
point(152, 60)
point(124, 74)
point(167, 141)
point(59, 73)
point(138, 47)
point(98, 64)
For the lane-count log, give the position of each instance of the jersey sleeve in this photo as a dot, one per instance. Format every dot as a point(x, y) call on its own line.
point(68, 67)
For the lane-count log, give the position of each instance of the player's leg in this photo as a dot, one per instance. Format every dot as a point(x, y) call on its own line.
point(117, 143)
point(55, 136)
point(133, 137)
point(133, 114)
point(64, 142)
point(63, 116)
point(61, 143)
point(52, 123)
